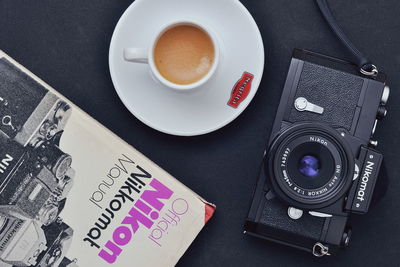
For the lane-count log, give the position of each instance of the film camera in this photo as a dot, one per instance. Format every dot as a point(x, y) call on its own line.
point(35, 174)
point(320, 165)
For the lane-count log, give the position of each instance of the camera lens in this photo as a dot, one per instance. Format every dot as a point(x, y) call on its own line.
point(309, 166)
point(61, 166)
point(55, 159)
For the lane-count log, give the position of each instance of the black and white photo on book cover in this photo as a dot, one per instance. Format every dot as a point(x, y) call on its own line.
point(35, 173)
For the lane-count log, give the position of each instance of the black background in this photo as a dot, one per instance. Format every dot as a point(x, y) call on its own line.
point(66, 44)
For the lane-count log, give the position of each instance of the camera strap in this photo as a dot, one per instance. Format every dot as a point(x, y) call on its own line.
point(365, 65)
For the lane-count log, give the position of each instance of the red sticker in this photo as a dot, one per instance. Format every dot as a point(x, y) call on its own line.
point(241, 90)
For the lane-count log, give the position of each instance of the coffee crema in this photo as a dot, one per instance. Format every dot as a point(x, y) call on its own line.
point(184, 54)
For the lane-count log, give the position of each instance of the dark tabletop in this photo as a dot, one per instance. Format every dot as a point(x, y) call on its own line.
point(66, 44)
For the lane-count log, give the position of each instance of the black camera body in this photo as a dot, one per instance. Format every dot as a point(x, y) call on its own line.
point(35, 174)
point(320, 165)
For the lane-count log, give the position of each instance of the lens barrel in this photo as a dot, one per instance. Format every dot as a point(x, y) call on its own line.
point(310, 165)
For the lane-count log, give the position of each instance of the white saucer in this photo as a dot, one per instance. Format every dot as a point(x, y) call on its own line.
point(201, 110)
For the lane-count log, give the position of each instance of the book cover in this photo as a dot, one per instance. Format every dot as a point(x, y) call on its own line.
point(72, 193)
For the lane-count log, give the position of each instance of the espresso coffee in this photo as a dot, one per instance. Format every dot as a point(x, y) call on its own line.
point(184, 54)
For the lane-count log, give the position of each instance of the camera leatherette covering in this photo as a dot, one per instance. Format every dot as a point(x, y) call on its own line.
point(274, 214)
point(333, 90)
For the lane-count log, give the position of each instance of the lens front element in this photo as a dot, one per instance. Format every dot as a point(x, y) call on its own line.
point(309, 166)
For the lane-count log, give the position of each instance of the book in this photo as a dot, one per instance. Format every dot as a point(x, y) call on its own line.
point(72, 193)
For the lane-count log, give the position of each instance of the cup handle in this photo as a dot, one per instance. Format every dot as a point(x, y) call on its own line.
point(134, 54)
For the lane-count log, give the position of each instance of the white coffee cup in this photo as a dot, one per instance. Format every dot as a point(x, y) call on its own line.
point(146, 55)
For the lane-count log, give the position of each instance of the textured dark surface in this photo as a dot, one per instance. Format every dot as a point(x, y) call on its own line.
point(275, 215)
point(334, 90)
point(66, 44)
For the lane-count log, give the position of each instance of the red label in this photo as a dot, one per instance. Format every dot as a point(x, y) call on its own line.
point(241, 90)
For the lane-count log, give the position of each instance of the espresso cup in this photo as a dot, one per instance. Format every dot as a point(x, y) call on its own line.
point(183, 55)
